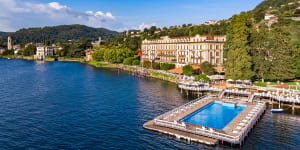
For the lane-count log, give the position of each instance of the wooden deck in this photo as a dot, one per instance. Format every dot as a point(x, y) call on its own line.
point(229, 127)
point(180, 134)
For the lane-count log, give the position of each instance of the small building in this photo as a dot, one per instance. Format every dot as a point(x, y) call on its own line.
point(272, 20)
point(43, 51)
point(297, 11)
point(88, 54)
point(211, 22)
point(2, 50)
point(268, 16)
point(97, 43)
point(291, 3)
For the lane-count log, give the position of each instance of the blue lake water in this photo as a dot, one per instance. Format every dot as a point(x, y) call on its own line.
point(65, 105)
point(215, 114)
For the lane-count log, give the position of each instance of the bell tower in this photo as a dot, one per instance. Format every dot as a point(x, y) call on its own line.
point(9, 46)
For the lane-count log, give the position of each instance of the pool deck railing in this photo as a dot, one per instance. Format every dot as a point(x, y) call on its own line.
point(269, 95)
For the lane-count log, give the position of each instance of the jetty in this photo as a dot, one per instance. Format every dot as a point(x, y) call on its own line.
point(234, 133)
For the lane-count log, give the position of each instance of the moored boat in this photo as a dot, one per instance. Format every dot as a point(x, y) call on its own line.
point(276, 110)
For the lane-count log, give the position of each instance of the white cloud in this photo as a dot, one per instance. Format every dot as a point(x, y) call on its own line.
point(142, 26)
point(16, 14)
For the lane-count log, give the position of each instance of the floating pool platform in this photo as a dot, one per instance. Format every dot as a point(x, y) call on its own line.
point(210, 120)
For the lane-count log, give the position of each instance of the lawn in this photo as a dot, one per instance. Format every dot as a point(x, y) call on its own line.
point(162, 75)
point(97, 63)
point(290, 83)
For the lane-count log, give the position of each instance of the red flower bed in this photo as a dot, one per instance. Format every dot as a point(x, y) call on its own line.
point(282, 86)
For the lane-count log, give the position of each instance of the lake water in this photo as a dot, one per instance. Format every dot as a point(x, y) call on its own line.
point(65, 105)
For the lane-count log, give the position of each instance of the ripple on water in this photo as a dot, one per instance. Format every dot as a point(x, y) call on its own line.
point(63, 105)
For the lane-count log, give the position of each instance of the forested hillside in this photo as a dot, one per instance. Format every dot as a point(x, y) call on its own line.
point(3, 33)
point(260, 10)
point(58, 34)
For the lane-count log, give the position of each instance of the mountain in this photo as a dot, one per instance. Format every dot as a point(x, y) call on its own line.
point(59, 34)
point(3, 33)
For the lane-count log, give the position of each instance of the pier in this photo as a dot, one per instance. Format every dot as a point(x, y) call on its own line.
point(281, 96)
point(235, 132)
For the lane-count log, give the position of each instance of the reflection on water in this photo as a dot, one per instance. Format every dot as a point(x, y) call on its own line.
point(63, 105)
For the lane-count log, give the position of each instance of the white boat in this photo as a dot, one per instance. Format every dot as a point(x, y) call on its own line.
point(8, 58)
point(276, 110)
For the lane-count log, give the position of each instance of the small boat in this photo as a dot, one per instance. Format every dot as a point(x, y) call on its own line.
point(276, 110)
point(8, 58)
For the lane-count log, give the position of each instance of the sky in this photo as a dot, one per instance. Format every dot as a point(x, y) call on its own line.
point(118, 15)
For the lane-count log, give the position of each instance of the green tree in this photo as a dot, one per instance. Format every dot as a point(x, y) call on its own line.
point(29, 50)
point(207, 68)
point(260, 53)
point(128, 61)
point(166, 66)
point(282, 67)
point(187, 70)
point(202, 77)
point(98, 55)
point(238, 65)
point(297, 63)
point(136, 62)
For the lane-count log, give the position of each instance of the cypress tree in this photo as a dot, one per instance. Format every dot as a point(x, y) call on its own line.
point(238, 65)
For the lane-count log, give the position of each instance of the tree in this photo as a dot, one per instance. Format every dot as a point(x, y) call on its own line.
point(98, 54)
point(136, 62)
point(207, 68)
point(282, 67)
point(187, 70)
point(29, 50)
point(8, 52)
point(238, 65)
point(260, 53)
point(166, 66)
point(202, 77)
point(297, 63)
point(128, 61)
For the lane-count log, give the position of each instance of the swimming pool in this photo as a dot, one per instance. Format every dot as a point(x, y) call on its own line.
point(215, 114)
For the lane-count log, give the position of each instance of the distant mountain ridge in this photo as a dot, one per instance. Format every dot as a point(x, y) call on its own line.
point(3, 33)
point(58, 34)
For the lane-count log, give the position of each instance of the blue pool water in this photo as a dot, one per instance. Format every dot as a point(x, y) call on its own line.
point(215, 114)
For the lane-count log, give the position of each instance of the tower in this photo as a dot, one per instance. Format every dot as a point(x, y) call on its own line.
point(99, 42)
point(9, 47)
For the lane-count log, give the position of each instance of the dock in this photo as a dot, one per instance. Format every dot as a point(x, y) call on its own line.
point(234, 132)
point(180, 134)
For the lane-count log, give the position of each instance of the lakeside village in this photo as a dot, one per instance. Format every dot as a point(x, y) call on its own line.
point(198, 65)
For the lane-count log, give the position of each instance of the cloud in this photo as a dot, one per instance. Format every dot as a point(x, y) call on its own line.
point(142, 26)
point(16, 14)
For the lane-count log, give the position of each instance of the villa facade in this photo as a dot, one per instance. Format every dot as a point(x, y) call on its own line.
point(185, 50)
point(43, 51)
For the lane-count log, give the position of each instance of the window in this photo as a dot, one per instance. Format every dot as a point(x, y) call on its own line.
point(217, 61)
point(217, 54)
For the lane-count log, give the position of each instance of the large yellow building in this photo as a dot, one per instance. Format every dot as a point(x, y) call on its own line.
point(185, 50)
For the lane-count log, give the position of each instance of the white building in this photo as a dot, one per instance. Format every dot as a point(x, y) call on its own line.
point(43, 51)
point(185, 50)
point(269, 16)
point(2, 50)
